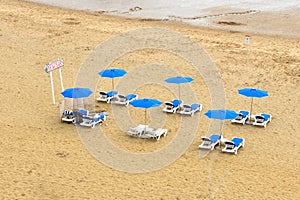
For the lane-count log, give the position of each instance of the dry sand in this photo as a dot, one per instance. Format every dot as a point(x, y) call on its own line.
point(44, 159)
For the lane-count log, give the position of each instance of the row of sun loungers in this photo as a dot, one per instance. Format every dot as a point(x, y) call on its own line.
point(84, 117)
point(115, 98)
point(177, 106)
point(231, 146)
point(145, 132)
point(259, 120)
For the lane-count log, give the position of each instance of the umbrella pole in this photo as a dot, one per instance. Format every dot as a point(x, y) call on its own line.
point(145, 119)
point(220, 134)
point(251, 109)
point(179, 91)
point(112, 80)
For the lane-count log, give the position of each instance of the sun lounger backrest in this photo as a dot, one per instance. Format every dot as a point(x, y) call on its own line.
point(130, 96)
point(244, 113)
point(195, 106)
point(237, 141)
point(112, 93)
point(83, 112)
point(103, 93)
point(176, 102)
point(266, 116)
point(215, 137)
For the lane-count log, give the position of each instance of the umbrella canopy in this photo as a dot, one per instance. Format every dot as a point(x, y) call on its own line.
point(179, 80)
point(76, 93)
point(145, 103)
point(221, 114)
point(253, 93)
point(112, 73)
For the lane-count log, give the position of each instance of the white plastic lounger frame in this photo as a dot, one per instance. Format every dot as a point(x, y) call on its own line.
point(234, 145)
point(68, 116)
point(190, 109)
point(92, 120)
point(262, 120)
point(242, 118)
point(211, 142)
point(124, 100)
point(139, 130)
point(172, 107)
point(107, 96)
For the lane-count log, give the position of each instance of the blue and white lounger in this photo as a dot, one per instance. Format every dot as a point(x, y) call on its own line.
point(107, 97)
point(92, 120)
point(190, 109)
point(172, 107)
point(211, 142)
point(233, 145)
point(68, 116)
point(262, 120)
point(124, 100)
point(242, 117)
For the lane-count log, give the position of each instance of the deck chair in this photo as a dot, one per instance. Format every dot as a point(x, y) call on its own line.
point(92, 120)
point(211, 142)
point(124, 100)
point(173, 106)
point(233, 145)
point(139, 130)
point(107, 97)
point(190, 109)
point(158, 133)
point(262, 120)
point(68, 116)
point(242, 117)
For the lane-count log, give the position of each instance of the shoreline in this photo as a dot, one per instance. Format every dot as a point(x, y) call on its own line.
point(223, 18)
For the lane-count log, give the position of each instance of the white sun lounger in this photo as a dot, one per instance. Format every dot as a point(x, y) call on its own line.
point(211, 142)
point(158, 133)
point(107, 97)
point(139, 130)
point(92, 120)
point(242, 117)
point(262, 120)
point(68, 116)
point(190, 109)
point(172, 107)
point(124, 100)
point(233, 145)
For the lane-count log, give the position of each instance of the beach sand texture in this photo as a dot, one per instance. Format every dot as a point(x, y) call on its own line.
point(44, 159)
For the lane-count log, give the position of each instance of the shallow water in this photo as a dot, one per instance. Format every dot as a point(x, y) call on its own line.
point(202, 12)
point(161, 9)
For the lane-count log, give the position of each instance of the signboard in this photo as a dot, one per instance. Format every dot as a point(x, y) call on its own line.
point(247, 39)
point(54, 65)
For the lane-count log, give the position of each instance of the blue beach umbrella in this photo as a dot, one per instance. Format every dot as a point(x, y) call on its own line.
point(253, 93)
point(221, 115)
point(76, 93)
point(145, 103)
point(179, 80)
point(112, 73)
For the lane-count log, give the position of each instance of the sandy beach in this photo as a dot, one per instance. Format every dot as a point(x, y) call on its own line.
point(42, 158)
